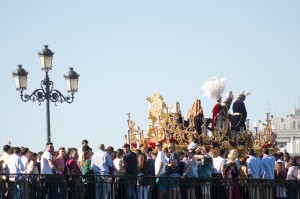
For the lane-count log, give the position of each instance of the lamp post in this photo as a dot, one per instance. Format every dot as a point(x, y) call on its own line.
point(46, 92)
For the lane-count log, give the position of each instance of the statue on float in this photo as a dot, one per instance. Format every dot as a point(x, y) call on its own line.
point(239, 113)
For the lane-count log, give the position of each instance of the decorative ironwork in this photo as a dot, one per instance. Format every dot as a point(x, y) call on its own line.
point(41, 94)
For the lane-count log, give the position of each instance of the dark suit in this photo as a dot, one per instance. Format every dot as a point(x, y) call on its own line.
point(131, 173)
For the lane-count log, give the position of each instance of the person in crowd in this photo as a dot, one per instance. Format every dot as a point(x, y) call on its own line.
point(80, 153)
point(130, 159)
point(25, 154)
point(3, 158)
point(292, 174)
point(280, 174)
point(60, 160)
point(286, 159)
point(101, 162)
point(60, 163)
point(154, 155)
point(228, 170)
point(205, 170)
point(151, 170)
point(119, 163)
point(167, 154)
point(73, 166)
point(47, 167)
point(268, 163)
point(38, 163)
point(111, 151)
point(84, 148)
point(142, 185)
point(31, 164)
point(173, 168)
point(192, 144)
point(255, 171)
point(243, 172)
point(280, 156)
point(191, 171)
point(87, 171)
point(232, 168)
point(234, 153)
point(138, 152)
point(218, 171)
point(185, 157)
point(218, 164)
point(14, 165)
point(181, 162)
point(160, 164)
point(120, 169)
point(32, 169)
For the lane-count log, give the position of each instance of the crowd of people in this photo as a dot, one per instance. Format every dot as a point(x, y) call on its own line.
point(136, 174)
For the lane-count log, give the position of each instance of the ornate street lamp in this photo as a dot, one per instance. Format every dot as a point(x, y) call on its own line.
point(46, 92)
point(20, 76)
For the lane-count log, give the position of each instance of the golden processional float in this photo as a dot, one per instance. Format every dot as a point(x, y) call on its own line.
point(167, 124)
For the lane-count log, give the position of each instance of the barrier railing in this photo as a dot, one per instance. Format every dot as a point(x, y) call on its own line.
point(129, 187)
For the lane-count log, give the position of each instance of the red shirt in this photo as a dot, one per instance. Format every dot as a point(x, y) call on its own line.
point(73, 166)
point(59, 163)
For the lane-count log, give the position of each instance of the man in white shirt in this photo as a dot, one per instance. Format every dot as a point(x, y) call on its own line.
point(15, 166)
point(218, 164)
point(3, 158)
point(218, 168)
point(47, 167)
point(24, 159)
point(160, 164)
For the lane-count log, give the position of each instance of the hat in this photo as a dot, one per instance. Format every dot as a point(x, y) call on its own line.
point(126, 146)
point(229, 95)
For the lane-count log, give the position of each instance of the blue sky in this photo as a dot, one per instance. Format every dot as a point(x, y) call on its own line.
point(124, 50)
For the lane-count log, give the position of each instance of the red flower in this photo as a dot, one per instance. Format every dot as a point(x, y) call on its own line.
point(172, 140)
point(133, 145)
point(265, 145)
point(152, 145)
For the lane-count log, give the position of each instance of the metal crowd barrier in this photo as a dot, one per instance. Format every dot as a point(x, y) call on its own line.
point(144, 187)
